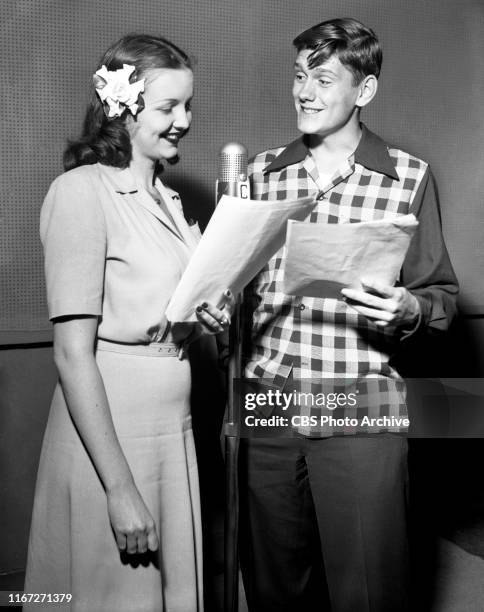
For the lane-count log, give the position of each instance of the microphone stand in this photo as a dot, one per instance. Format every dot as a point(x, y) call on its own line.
point(231, 431)
point(232, 180)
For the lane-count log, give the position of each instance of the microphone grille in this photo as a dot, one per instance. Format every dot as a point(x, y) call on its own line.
point(232, 162)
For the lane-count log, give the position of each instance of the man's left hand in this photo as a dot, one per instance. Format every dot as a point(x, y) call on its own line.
point(384, 304)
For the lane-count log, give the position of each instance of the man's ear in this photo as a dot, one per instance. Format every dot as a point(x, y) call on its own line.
point(367, 90)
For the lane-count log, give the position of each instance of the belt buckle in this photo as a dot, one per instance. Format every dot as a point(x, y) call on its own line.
point(167, 349)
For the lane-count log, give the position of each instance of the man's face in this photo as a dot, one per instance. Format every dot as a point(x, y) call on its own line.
point(324, 96)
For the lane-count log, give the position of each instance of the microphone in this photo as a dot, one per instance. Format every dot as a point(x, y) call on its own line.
point(232, 172)
point(232, 180)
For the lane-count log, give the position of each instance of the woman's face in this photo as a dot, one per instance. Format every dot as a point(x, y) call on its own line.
point(166, 116)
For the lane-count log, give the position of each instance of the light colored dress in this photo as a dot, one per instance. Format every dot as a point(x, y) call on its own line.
point(111, 251)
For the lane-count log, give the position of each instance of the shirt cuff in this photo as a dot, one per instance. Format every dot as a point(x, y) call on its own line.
point(422, 316)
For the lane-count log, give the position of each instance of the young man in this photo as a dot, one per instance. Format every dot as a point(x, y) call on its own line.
point(320, 509)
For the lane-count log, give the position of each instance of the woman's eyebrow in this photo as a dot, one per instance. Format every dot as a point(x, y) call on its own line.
point(165, 100)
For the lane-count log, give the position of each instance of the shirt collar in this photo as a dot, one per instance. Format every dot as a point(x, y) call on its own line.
point(371, 152)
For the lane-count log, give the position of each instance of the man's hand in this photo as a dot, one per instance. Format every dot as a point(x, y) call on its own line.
point(384, 304)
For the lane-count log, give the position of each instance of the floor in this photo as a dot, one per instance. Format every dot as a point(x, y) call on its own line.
point(459, 583)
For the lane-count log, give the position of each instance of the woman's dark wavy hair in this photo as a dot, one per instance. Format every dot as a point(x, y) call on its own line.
point(107, 140)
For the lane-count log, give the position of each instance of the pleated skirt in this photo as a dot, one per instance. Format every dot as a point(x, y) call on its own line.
point(72, 548)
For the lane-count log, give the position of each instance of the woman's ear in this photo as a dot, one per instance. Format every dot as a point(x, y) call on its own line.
point(367, 90)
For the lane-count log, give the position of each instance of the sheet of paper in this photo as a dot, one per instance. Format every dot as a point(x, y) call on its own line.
point(323, 258)
point(239, 240)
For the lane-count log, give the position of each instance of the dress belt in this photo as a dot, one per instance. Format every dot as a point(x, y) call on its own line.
point(154, 349)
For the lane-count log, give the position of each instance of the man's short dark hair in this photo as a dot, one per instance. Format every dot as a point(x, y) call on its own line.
point(355, 45)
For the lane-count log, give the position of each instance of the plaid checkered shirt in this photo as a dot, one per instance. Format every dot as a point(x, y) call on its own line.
point(307, 339)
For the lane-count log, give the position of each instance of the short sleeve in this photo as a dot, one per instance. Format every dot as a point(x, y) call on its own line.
point(73, 234)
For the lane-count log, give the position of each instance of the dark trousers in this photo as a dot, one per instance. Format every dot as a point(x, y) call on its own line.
point(323, 524)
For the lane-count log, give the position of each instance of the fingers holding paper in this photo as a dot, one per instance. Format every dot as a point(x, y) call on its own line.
point(211, 320)
point(215, 320)
point(384, 304)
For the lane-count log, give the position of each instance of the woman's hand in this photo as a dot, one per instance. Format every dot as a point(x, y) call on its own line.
point(211, 321)
point(132, 523)
point(83, 387)
point(216, 320)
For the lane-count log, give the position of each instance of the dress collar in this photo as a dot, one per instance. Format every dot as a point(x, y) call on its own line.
point(123, 182)
point(121, 179)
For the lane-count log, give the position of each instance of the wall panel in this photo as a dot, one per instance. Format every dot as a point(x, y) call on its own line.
point(429, 102)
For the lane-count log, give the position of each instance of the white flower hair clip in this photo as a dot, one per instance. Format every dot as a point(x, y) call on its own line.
point(114, 88)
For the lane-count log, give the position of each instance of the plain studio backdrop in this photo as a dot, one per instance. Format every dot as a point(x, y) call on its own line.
point(429, 103)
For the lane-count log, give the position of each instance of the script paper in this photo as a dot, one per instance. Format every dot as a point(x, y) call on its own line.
point(239, 240)
point(321, 259)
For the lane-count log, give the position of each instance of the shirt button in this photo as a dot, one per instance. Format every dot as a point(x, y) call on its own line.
point(302, 306)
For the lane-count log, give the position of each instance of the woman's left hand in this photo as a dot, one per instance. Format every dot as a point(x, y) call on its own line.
point(216, 320)
point(211, 320)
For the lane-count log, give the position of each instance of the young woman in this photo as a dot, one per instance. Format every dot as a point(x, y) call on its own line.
point(116, 520)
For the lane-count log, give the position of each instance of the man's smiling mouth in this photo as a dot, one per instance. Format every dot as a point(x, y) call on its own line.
point(310, 111)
